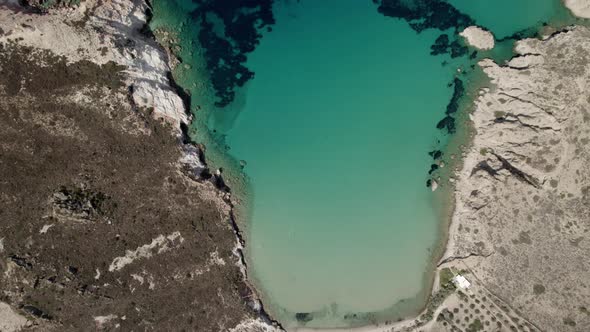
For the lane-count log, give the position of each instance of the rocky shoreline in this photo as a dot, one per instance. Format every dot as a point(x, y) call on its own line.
point(113, 34)
point(519, 216)
point(519, 231)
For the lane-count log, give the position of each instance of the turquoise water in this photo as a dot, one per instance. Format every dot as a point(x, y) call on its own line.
point(341, 131)
point(327, 148)
point(506, 17)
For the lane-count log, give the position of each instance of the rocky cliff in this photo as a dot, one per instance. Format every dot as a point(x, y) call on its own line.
point(107, 220)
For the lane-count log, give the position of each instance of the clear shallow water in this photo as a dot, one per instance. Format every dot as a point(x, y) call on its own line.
point(341, 133)
point(506, 17)
point(335, 130)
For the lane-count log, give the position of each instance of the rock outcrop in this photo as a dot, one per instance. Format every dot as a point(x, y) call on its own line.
point(478, 38)
point(521, 222)
point(580, 8)
point(101, 33)
point(10, 321)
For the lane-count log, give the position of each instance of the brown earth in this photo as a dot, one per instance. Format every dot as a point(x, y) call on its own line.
point(85, 177)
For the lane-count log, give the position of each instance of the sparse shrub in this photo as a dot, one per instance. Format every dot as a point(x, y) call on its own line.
point(475, 326)
point(569, 322)
point(499, 114)
point(445, 276)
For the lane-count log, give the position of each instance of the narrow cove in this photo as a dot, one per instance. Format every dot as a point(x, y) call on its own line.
point(335, 132)
point(328, 147)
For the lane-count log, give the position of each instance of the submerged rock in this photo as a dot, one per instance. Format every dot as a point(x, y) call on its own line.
point(435, 154)
point(448, 122)
point(443, 45)
point(431, 14)
point(304, 317)
point(226, 54)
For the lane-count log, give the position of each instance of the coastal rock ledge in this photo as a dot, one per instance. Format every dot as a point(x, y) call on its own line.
point(521, 225)
point(478, 38)
point(580, 8)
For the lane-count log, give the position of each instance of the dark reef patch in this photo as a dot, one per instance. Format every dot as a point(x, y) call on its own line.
point(104, 177)
point(304, 317)
point(433, 168)
point(439, 15)
point(532, 32)
point(432, 14)
point(225, 49)
point(443, 45)
point(426, 14)
point(436, 154)
point(448, 122)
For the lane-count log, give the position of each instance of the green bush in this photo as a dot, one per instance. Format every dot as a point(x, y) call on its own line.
point(445, 276)
point(475, 326)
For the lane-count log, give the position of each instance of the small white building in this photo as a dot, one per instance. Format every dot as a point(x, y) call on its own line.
point(461, 282)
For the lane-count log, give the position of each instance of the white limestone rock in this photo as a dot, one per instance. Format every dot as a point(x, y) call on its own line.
point(580, 8)
point(254, 325)
point(478, 38)
point(191, 160)
point(10, 320)
point(117, 37)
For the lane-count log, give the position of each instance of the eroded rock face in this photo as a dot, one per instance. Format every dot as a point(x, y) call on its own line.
point(478, 38)
point(104, 32)
point(523, 196)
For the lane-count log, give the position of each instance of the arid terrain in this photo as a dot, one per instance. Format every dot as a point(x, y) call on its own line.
point(108, 217)
point(521, 224)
